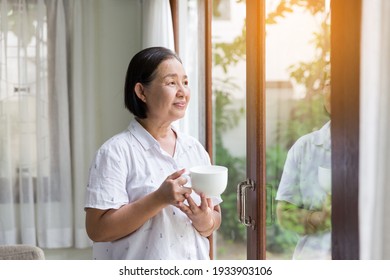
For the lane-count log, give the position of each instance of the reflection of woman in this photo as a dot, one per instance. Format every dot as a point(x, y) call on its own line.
point(136, 205)
point(303, 205)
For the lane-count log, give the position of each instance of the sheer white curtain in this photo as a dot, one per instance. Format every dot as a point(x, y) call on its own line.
point(35, 175)
point(189, 45)
point(157, 28)
point(84, 99)
point(374, 178)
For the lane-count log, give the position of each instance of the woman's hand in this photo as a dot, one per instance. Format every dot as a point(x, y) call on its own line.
point(304, 221)
point(172, 191)
point(204, 217)
point(320, 221)
point(113, 224)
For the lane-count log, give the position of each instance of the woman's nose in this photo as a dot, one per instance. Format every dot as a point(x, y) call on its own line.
point(182, 90)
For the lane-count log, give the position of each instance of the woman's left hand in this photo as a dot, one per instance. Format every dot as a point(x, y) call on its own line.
point(202, 216)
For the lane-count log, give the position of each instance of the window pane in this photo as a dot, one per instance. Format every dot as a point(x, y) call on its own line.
point(298, 130)
point(229, 122)
point(23, 72)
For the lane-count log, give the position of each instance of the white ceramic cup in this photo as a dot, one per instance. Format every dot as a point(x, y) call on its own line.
point(325, 178)
point(208, 179)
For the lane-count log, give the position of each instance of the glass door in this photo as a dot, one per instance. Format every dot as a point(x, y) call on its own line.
point(287, 97)
point(298, 145)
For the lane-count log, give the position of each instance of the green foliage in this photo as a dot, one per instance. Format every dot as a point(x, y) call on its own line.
point(227, 54)
point(231, 229)
point(307, 115)
point(280, 240)
point(227, 117)
point(275, 157)
point(316, 73)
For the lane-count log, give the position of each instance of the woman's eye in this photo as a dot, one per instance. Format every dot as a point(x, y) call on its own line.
point(172, 83)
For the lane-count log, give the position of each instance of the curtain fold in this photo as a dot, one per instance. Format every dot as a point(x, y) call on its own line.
point(56, 215)
point(84, 120)
point(8, 231)
point(374, 173)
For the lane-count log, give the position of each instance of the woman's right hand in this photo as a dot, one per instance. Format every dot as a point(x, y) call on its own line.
point(172, 191)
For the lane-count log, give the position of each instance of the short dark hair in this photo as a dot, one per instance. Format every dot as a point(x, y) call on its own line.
point(142, 69)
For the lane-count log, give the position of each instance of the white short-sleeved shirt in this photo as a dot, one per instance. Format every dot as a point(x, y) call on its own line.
point(299, 185)
point(129, 166)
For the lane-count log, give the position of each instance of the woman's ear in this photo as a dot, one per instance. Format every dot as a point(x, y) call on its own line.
point(139, 91)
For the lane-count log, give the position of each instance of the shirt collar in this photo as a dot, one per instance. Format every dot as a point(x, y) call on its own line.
point(144, 137)
point(322, 136)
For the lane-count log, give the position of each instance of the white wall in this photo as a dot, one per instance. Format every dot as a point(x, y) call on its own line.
point(119, 39)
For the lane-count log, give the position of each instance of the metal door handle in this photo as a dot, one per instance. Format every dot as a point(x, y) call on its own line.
point(241, 202)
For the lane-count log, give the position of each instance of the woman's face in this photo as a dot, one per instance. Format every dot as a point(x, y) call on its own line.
point(167, 96)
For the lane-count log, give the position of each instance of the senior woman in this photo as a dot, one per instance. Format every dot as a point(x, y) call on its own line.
point(136, 204)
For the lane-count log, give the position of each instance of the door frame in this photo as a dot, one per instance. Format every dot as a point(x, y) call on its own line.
point(255, 113)
point(345, 80)
point(345, 77)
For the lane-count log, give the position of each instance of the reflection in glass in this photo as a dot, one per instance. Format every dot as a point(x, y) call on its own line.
point(298, 128)
point(304, 194)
